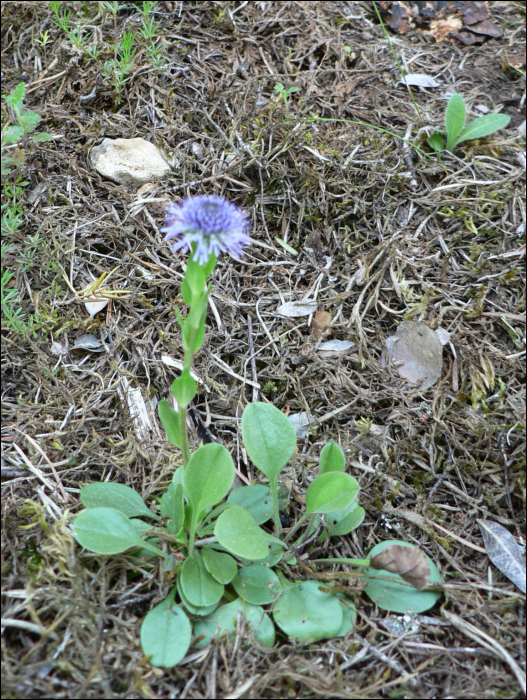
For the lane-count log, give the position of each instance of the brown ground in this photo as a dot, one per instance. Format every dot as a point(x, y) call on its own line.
point(382, 238)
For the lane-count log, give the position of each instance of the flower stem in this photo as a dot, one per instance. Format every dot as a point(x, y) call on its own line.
point(353, 562)
point(185, 451)
point(276, 516)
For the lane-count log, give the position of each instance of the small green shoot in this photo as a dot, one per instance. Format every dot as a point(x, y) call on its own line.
point(457, 132)
point(284, 93)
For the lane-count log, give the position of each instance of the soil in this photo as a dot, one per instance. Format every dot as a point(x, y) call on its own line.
point(345, 212)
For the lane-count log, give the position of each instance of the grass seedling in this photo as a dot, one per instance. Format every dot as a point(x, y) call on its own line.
point(284, 93)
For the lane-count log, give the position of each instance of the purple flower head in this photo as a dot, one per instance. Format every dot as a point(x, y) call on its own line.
point(214, 224)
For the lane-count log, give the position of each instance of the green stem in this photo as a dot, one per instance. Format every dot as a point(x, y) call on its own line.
point(185, 450)
point(295, 527)
point(191, 535)
point(276, 516)
point(353, 562)
point(308, 529)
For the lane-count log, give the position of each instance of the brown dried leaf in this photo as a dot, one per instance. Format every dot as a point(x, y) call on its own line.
point(409, 562)
point(321, 321)
point(441, 29)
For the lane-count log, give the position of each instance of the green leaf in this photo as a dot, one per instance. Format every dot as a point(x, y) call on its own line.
point(307, 614)
point(173, 507)
point(223, 621)
point(237, 531)
point(332, 459)
point(107, 494)
point(208, 476)
point(436, 142)
point(17, 95)
point(184, 388)
point(286, 246)
point(220, 565)
point(269, 438)
point(194, 609)
point(199, 587)
point(105, 531)
point(257, 584)
point(30, 120)
point(42, 137)
point(169, 418)
point(454, 118)
point(195, 277)
point(256, 499)
point(482, 126)
point(179, 476)
point(341, 522)
point(12, 134)
point(166, 634)
point(276, 552)
point(193, 328)
point(397, 597)
point(331, 491)
point(209, 266)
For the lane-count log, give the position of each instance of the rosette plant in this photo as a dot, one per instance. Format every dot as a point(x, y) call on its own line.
point(222, 558)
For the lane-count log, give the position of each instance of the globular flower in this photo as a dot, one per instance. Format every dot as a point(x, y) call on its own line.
point(209, 221)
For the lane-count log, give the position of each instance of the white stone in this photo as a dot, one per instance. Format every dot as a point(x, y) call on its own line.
point(129, 161)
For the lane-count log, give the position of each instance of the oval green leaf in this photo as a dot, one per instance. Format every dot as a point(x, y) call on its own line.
point(454, 118)
point(331, 491)
point(237, 531)
point(220, 565)
point(341, 522)
point(105, 531)
point(269, 438)
point(169, 418)
point(332, 459)
point(199, 587)
point(184, 389)
point(208, 476)
point(166, 634)
point(194, 609)
point(223, 621)
point(483, 126)
point(307, 614)
point(107, 494)
point(398, 597)
point(257, 584)
point(256, 499)
point(436, 142)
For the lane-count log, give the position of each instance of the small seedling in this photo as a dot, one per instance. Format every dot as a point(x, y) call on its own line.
point(150, 32)
point(14, 135)
point(457, 132)
point(118, 68)
point(284, 93)
point(62, 20)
